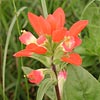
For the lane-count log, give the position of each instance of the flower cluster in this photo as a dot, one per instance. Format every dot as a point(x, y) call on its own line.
point(52, 32)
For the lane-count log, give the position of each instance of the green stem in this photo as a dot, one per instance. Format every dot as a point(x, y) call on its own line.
point(16, 17)
point(27, 88)
point(56, 86)
point(44, 8)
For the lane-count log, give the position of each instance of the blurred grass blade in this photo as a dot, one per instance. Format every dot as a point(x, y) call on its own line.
point(86, 8)
point(6, 47)
point(43, 2)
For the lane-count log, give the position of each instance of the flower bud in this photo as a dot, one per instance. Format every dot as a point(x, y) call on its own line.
point(35, 76)
point(61, 80)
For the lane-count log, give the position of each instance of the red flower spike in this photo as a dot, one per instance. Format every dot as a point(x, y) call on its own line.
point(78, 27)
point(34, 21)
point(73, 58)
point(52, 22)
point(58, 35)
point(40, 25)
point(45, 26)
point(35, 76)
point(59, 17)
point(36, 49)
point(23, 53)
point(27, 38)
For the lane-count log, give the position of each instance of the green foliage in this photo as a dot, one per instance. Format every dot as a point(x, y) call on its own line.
point(89, 50)
point(43, 59)
point(51, 93)
point(91, 42)
point(26, 70)
point(80, 85)
point(43, 87)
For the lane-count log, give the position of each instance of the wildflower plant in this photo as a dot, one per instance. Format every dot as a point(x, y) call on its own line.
point(54, 47)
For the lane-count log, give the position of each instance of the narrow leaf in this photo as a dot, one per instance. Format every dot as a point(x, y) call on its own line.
point(51, 93)
point(44, 86)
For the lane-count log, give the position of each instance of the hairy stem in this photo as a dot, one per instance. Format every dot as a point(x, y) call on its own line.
point(56, 86)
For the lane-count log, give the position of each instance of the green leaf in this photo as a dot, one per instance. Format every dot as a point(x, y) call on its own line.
point(88, 61)
point(80, 85)
point(82, 50)
point(51, 93)
point(26, 70)
point(43, 59)
point(43, 87)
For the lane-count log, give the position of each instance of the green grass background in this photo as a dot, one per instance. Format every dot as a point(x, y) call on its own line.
point(16, 86)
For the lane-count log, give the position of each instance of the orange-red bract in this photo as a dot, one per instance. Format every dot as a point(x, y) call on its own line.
point(33, 45)
point(23, 53)
point(36, 48)
point(35, 76)
point(27, 38)
point(30, 49)
point(77, 27)
point(73, 58)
